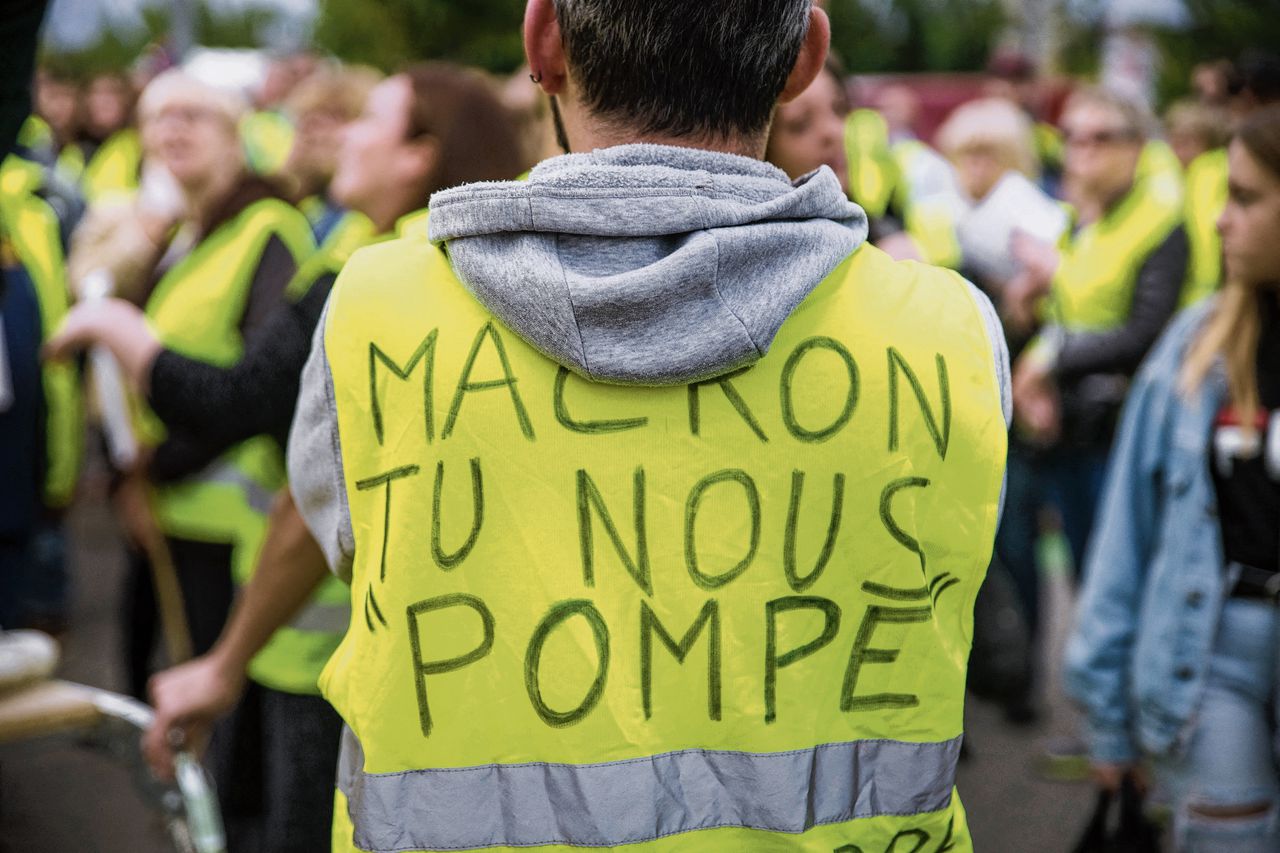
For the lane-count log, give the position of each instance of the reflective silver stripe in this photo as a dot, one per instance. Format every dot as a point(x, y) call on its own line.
point(226, 473)
point(624, 802)
point(350, 761)
point(323, 618)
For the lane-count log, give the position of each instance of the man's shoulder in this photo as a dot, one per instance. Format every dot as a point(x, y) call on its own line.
point(873, 276)
point(393, 263)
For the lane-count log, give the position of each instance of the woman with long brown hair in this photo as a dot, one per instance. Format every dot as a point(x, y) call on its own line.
point(1176, 650)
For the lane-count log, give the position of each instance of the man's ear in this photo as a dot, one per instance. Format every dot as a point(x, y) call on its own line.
point(543, 46)
point(813, 53)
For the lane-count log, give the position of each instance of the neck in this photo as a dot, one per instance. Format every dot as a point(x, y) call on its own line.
point(587, 132)
point(203, 196)
point(1100, 204)
point(386, 210)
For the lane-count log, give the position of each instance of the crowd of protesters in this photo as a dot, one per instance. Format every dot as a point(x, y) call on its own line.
point(200, 229)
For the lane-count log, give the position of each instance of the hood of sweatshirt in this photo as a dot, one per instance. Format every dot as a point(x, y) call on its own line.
point(648, 264)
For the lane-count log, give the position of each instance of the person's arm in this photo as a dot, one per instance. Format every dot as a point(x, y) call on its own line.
point(261, 388)
point(1100, 647)
point(191, 396)
point(316, 473)
point(1155, 298)
point(191, 697)
point(185, 451)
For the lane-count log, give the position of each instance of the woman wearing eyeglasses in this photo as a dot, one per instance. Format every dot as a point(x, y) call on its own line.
point(1103, 296)
point(1177, 643)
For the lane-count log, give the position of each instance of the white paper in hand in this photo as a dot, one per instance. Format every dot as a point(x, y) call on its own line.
point(108, 382)
point(986, 231)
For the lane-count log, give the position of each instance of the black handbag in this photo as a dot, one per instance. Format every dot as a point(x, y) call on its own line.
point(1118, 824)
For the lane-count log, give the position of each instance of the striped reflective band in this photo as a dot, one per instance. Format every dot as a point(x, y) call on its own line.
point(622, 802)
point(323, 618)
point(226, 473)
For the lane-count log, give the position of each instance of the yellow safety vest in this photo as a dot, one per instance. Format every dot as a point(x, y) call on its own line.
point(267, 137)
point(873, 172)
point(1160, 167)
point(1048, 143)
point(1206, 199)
point(35, 133)
point(195, 310)
point(114, 167)
point(931, 225)
point(297, 653)
point(734, 615)
point(1093, 287)
point(31, 228)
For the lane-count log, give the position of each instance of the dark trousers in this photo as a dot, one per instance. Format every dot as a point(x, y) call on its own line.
point(1068, 479)
point(204, 575)
point(274, 761)
point(34, 583)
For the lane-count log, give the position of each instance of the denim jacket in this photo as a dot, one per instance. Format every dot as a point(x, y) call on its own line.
point(1155, 582)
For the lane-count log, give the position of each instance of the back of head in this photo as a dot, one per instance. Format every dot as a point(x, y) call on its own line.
point(703, 70)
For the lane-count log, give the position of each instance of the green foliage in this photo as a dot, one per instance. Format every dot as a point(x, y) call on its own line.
point(915, 35)
point(116, 51)
point(1220, 29)
point(387, 33)
point(223, 29)
point(113, 52)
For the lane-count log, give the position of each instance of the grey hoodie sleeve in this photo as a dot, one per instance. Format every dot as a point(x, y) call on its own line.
point(316, 477)
point(1004, 376)
point(1000, 351)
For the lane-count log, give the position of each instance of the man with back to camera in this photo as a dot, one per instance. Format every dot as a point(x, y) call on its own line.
point(663, 499)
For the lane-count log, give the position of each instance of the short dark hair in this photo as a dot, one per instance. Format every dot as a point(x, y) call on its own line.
point(685, 68)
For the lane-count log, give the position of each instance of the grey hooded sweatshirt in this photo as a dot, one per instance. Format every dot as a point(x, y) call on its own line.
point(638, 264)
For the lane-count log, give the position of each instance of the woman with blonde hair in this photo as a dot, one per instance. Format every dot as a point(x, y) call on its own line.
point(1174, 655)
point(989, 143)
point(997, 133)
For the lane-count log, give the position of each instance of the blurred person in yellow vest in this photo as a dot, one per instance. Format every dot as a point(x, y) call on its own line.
point(51, 131)
point(216, 272)
point(1253, 83)
point(1198, 135)
point(320, 107)
point(267, 130)
point(40, 415)
point(1111, 286)
point(418, 132)
point(811, 131)
point(1097, 303)
point(922, 171)
point(591, 366)
point(113, 160)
